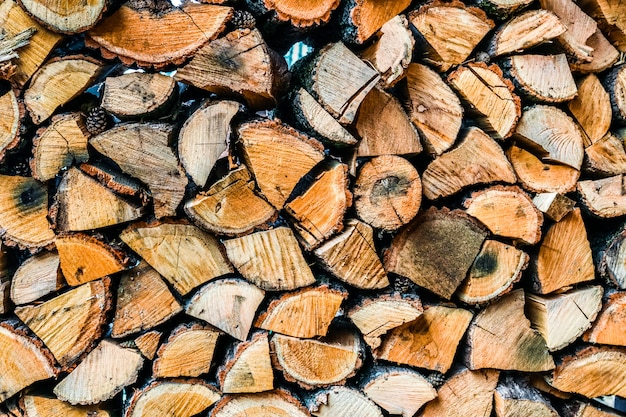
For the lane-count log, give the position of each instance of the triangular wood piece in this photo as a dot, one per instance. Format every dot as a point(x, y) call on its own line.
point(278, 157)
point(565, 256)
point(125, 144)
point(272, 260)
point(249, 368)
point(23, 211)
point(430, 341)
point(603, 57)
point(605, 197)
point(363, 18)
point(465, 394)
point(235, 312)
point(143, 301)
point(477, 159)
point(148, 343)
point(436, 250)
point(363, 268)
point(184, 255)
point(36, 277)
point(500, 337)
point(515, 397)
point(178, 398)
point(608, 329)
point(71, 323)
point(39, 406)
point(592, 108)
point(137, 36)
point(535, 175)
point(86, 258)
point(188, 351)
point(606, 157)
point(553, 205)
point(139, 94)
point(398, 391)
point(101, 375)
point(283, 404)
point(342, 402)
point(291, 314)
point(68, 17)
point(579, 27)
point(23, 359)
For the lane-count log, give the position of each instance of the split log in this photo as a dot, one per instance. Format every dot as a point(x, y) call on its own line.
point(148, 343)
point(398, 391)
point(39, 406)
point(607, 329)
point(85, 258)
point(438, 22)
point(35, 278)
point(384, 127)
point(5, 282)
point(177, 398)
point(248, 369)
point(374, 317)
point(524, 31)
point(70, 324)
point(234, 314)
point(515, 397)
point(341, 401)
point(101, 375)
point(553, 205)
point(299, 15)
point(605, 197)
point(615, 84)
point(507, 211)
point(363, 268)
point(564, 257)
point(436, 250)
point(500, 337)
point(239, 64)
point(158, 169)
point(272, 260)
point(542, 177)
point(603, 57)
point(115, 180)
point(57, 82)
point(606, 157)
point(607, 13)
point(283, 405)
point(584, 409)
point(489, 97)
point(387, 192)
point(188, 351)
point(360, 19)
point(13, 113)
point(430, 341)
point(305, 313)
point(433, 107)
point(184, 255)
point(278, 156)
point(137, 35)
point(317, 363)
point(23, 211)
point(592, 109)
point(68, 17)
point(561, 318)
point(611, 264)
point(143, 301)
point(139, 94)
point(8, 51)
point(477, 159)
point(495, 270)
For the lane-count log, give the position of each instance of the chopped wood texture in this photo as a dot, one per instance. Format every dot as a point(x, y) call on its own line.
point(606, 157)
point(615, 84)
point(490, 97)
point(553, 205)
point(178, 398)
point(610, 19)
point(86, 258)
point(592, 372)
point(604, 197)
point(495, 270)
point(101, 375)
point(584, 409)
point(363, 18)
point(524, 31)
point(158, 169)
point(272, 260)
point(249, 368)
point(607, 328)
point(137, 36)
point(302, 14)
point(384, 127)
point(143, 301)
point(398, 391)
point(565, 256)
point(342, 402)
point(12, 114)
point(503, 9)
point(464, 394)
point(66, 17)
point(235, 312)
point(436, 250)
point(255, 405)
point(439, 22)
point(317, 363)
point(561, 318)
point(579, 27)
point(507, 211)
point(604, 55)
point(138, 94)
point(433, 107)
point(82, 203)
point(591, 108)
point(148, 343)
point(39, 406)
point(117, 181)
point(477, 159)
point(184, 255)
point(529, 74)
point(387, 192)
point(543, 177)
point(71, 323)
point(23, 211)
point(292, 313)
point(204, 137)
point(238, 64)
point(500, 337)
point(36, 277)
point(5, 282)
point(363, 268)
point(612, 266)
point(515, 397)
point(188, 351)
point(278, 157)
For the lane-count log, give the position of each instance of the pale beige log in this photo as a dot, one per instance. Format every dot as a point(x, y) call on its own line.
point(255, 405)
point(610, 18)
point(341, 401)
point(606, 157)
point(608, 328)
point(516, 397)
point(40, 406)
point(579, 27)
point(249, 368)
point(184, 398)
point(36, 277)
point(553, 205)
point(605, 197)
point(603, 57)
point(69, 17)
point(12, 114)
point(543, 177)
point(591, 108)
point(138, 94)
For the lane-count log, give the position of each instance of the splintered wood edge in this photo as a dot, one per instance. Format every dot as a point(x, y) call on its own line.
point(19, 112)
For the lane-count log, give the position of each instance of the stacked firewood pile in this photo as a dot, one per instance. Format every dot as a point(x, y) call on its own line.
point(423, 216)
